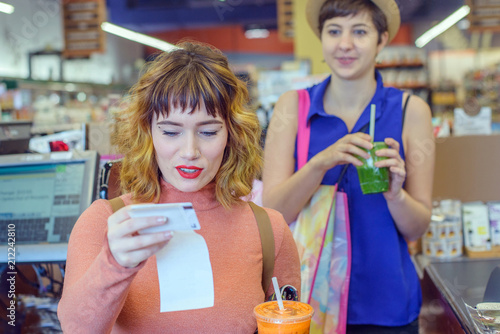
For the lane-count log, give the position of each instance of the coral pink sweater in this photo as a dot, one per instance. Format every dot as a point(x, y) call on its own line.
point(100, 296)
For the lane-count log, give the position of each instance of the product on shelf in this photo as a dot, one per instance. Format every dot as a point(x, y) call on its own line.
point(494, 211)
point(476, 226)
point(443, 238)
point(465, 124)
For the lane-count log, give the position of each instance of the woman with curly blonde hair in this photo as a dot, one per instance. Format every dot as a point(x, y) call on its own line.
point(186, 136)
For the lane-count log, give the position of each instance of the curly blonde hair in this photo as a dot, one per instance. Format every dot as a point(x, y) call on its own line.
point(185, 77)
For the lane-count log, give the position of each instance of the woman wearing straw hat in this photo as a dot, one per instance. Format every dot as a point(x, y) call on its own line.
point(384, 290)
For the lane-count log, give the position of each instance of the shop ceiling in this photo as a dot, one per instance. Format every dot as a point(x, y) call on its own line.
point(160, 15)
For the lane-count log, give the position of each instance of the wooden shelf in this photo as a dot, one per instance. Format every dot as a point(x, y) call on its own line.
point(494, 252)
point(400, 65)
point(483, 15)
point(82, 17)
point(407, 86)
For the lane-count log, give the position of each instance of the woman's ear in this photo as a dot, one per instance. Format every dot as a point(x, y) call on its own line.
point(384, 40)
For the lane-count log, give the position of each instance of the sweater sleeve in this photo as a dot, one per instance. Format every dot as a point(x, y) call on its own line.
point(286, 261)
point(95, 285)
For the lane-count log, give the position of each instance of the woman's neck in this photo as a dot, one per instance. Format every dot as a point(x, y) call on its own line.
point(350, 96)
point(203, 199)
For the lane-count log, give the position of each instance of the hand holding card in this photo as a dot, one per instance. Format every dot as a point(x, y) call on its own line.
point(180, 216)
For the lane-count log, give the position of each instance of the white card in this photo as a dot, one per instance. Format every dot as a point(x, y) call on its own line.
point(180, 216)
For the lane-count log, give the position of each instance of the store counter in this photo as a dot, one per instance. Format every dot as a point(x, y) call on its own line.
point(447, 286)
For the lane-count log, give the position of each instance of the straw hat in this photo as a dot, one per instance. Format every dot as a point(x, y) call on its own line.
point(388, 7)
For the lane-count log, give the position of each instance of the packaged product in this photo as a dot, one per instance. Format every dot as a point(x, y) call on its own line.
point(494, 212)
point(476, 226)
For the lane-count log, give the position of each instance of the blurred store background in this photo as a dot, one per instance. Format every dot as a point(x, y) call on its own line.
point(66, 65)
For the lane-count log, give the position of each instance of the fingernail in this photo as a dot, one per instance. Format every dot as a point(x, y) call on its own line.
point(161, 219)
point(168, 234)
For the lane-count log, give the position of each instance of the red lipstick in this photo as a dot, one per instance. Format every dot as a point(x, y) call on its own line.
point(189, 172)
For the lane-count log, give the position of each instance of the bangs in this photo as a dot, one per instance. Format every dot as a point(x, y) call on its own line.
point(187, 88)
point(344, 8)
point(331, 9)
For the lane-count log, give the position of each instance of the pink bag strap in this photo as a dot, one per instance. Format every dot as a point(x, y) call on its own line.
point(303, 130)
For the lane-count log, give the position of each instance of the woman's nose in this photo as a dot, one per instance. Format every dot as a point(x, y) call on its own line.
point(190, 149)
point(346, 41)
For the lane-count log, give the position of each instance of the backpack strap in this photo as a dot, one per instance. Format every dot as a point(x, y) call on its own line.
point(267, 241)
point(266, 238)
point(116, 204)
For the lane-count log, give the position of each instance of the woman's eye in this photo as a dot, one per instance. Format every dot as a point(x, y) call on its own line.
point(360, 32)
point(208, 133)
point(170, 133)
point(334, 32)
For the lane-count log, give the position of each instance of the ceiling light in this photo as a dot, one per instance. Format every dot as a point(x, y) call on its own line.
point(137, 37)
point(6, 8)
point(256, 33)
point(442, 26)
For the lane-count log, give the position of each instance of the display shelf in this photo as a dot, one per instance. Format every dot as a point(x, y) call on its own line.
point(405, 68)
point(484, 15)
point(411, 87)
point(66, 86)
point(494, 252)
point(48, 129)
point(402, 65)
point(484, 86)
point(56, 106)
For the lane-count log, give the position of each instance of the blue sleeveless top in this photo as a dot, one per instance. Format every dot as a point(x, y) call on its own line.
point(384, 287)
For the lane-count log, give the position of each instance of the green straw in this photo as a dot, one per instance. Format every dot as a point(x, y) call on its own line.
point(372, 122)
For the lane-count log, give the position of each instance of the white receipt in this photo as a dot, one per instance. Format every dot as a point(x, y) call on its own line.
point(185, 273)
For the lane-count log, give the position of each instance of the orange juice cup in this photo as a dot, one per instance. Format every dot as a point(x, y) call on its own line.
point(294, 319)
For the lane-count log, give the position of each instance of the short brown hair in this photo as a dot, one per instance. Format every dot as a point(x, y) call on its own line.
point(184, 78)
point(343, 8)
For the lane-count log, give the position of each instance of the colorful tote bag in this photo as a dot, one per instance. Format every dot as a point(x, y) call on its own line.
point(322, 236)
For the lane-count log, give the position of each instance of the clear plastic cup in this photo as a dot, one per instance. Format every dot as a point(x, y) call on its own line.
point(490, 315)
point(294, 319)
point(373, 179)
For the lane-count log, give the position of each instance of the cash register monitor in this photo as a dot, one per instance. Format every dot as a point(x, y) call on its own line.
point(41, 198)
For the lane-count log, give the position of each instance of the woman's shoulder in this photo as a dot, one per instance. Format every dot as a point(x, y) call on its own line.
point(105, 203)
point(102, 208)
point(288, 98)
point(418, 110)
point(285, 112)
point(278, 222)
point(98, 211)
point(292, 96)
point(275, 217)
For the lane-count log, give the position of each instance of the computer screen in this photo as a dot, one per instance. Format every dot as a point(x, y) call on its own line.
point(15, 137)
point(41, 198)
